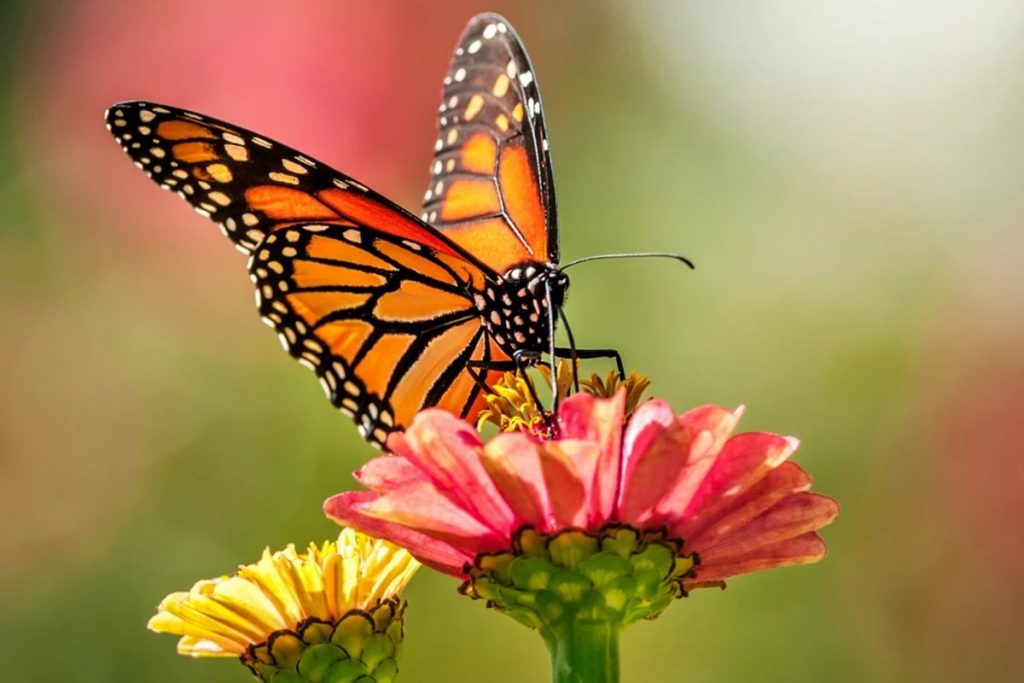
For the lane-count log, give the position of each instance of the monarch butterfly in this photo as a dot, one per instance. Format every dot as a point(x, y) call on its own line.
point(392, 312)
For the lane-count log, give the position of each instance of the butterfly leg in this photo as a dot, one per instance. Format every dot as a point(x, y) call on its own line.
point(574, 358)
point(515, 365)
point(474, 366)
point(574, 353)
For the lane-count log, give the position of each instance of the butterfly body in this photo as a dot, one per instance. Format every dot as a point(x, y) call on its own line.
point(519, 309)
point(392, 312)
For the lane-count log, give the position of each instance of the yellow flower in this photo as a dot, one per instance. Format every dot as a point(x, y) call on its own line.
point(274, 612)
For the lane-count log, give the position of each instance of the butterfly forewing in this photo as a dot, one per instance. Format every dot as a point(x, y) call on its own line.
point(377, 303)
point(491, 188)
point(247, 183)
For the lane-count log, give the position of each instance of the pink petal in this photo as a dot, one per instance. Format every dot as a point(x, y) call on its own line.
point(804, 549)
point(732, 512)
point(649, 420)
point(448, 450)
point(344, 508)
point(569, 466)
point(673, 463)
point(423, 507)
point(791, 517)
point(744, 460)
point(664, 467)
point(514, 465)
point(715, 419)
point(587, 418)
point(387, 472)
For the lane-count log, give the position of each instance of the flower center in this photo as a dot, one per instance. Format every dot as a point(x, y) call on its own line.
point(511, 405)
point(359, 644)
point(616, 575)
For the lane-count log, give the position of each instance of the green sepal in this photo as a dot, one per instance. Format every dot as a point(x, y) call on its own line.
point(360, 647)
point(386, 671)
point(617, 575)
point(286, 648)
point(378, 647)
point(318, 660)
point(345, 671)
point(351, 633)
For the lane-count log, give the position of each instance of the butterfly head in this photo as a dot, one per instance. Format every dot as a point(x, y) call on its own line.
point(518, 307)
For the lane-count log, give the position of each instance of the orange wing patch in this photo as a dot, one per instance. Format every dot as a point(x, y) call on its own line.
point(309, 274)
point(283, 203)
point(346, 338)
point(376, 367)
point(479, 154)
point(411, 392)
point(176, 129)
point(522, 197)
point(314, 306)
point(490, 235)
point(193, 152)
point(414, 301)
point(467, 199)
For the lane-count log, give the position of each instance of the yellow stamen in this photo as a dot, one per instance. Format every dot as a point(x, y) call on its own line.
point(511, 405)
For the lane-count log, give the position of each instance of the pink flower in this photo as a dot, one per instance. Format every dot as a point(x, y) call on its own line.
point(734, 500)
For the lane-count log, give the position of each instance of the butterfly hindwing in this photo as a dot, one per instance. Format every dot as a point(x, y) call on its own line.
point(388, 329)
point(378, 304)
point(492, 189)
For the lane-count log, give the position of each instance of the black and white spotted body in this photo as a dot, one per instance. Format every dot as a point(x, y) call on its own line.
point(515, 309)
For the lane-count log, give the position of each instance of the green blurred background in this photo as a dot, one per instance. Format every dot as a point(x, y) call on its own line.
point(847, 176)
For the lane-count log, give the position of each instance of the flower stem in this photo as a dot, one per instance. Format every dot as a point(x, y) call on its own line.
point(584, 652)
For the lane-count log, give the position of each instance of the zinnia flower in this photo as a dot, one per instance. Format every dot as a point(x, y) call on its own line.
point(332, 613)
point(605, 524)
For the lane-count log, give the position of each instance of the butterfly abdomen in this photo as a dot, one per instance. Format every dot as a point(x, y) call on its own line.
point(518, 307)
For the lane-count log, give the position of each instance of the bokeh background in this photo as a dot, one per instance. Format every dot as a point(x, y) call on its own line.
point(847, 176)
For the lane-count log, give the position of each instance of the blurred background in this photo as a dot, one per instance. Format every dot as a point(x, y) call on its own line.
point(847, 176)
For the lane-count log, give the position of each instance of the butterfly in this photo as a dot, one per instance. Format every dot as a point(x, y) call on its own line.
point(392, 312)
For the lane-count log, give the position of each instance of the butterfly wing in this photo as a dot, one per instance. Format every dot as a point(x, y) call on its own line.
point(385, 323)
point(491, 189)
point(248, 184)
point(378, 304)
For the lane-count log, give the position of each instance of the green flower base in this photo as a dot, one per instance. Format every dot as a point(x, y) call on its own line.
point(617, 575)
point(579, 589)
point(361, 647)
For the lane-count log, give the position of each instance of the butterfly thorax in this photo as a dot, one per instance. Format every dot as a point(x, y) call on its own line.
point(515, 308)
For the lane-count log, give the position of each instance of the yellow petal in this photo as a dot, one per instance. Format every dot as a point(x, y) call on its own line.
point(223, 616)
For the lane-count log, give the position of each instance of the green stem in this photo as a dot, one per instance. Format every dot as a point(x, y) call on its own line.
point(584, 652)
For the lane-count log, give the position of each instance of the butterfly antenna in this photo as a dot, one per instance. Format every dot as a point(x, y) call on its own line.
point(574, 358)
point(551, 348)
point(649, 254)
